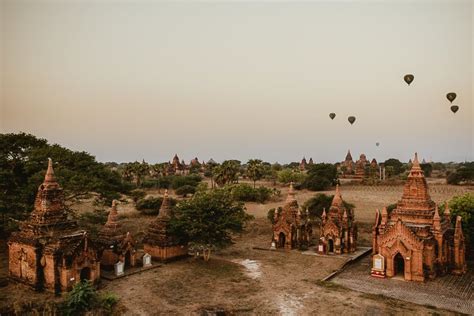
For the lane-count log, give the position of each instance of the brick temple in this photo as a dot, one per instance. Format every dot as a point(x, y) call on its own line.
point(115, 244)
point(414, 241)
point(158, 241)
point(292, 228)
point(50, 252)
point(338, 233)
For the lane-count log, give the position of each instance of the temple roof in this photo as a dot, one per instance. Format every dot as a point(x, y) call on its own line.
point(348, 156)
point(165, 209)
point(112, 229)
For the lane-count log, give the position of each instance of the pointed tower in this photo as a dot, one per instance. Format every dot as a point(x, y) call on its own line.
point(50, 245)
point(460, 266)
point(415, 227)
point(159, 242)
point(338, 233)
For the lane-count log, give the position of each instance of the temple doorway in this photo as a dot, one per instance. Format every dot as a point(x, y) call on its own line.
point(85, 273)
point(128, 259)
point(281, 240)
point(399, 265)
point(330, 246)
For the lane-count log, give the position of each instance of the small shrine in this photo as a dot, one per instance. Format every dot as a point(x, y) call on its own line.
point(338, 233)
point(50, 252)
point(292, 227)
point(158, 241)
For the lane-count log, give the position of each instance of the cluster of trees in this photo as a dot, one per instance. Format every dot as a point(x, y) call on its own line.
point(463, 174)
point(23, 163)
point(208, 219)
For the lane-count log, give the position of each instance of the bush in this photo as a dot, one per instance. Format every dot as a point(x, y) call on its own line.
point(151, 205)
point(320, 201)
point(84, 297)
point(185, 190)
point(464, 173)
point(245, 193)
point(180, 181)
point(94, 217)
point(137, 195)
point(287, 175)
point(320, 177)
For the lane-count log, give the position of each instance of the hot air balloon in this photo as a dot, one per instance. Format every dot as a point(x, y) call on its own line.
point(409, 78)
point(351, 119)
point(377, 144)
point(332, 115)
point(451, 96)
point(454, 108)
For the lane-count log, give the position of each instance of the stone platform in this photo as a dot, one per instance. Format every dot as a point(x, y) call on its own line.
point(450, 292)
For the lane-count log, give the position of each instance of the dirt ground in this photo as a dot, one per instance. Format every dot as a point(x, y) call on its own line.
point(246, 281)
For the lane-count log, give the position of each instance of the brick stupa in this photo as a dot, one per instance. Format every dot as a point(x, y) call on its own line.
point(158, 241)
point(50, 252)
point(413, 240)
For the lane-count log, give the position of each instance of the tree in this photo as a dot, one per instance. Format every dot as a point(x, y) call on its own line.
point(136, 171)
point(185, 190)
point(320, 177)
point(464, 206)
point(288, 175)
point(207, 220)
point(427, 169)
point(319, 202)
point(23, 163)
point(464, 173)
point(255, 170)
point(227, 172)
point(393, 166)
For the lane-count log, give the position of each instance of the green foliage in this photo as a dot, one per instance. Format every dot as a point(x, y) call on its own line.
point(464, 206)
point(136, 171)
point(391, 207)
point(245, 193)
point(393, 167)
point(151, 205)
point(84, 298)
point(320, 201)
point(320, 177)
point(227, 172)
point(208, 219)
point(463, 174)
point(185, 190)
point(137, 195)
point(271, 214)
point(23, 163)
point(255, 170)
point(172, 181)
point(288, 175)
point(427, 169)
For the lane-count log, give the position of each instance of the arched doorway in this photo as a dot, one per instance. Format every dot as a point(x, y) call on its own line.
point(281, 240)
point(330, 246)
point(85, 273)
point(399, 265)
point(128, 259)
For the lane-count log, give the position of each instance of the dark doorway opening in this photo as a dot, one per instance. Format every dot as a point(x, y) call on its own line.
point(281, 240)
point(85, 274)
point(128, 259)
point(399, 265)
point(330, 246)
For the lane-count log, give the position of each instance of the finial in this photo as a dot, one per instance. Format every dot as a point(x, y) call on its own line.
point(436, 213)
point(447, 211)
point(49, 177)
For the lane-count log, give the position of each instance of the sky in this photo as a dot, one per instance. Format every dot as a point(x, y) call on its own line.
point(133, 80)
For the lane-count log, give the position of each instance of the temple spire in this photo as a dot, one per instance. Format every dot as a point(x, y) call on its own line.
point(291, 193)
point(337, 200)
point(49, 177)
point(165, 209)
point(436, 219)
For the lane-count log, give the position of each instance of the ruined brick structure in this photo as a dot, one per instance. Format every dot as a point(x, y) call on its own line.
point(348, 164)
point(177, 167)
point(413, 240)
point(292, 228)
point(360, 167)
point(158, 242)
point(114, 243)
point(338, 233)
point(303, 164)
point(50, 252)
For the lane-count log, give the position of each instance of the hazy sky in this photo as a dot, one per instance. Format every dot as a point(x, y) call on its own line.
point(127, 80)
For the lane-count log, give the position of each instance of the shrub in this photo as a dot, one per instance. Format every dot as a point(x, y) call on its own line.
point(137, 195)
point(245, 193)
point(185, 190)
point(82, 298)
point(464, 173)
point(151, 205)
point(320, 201)
point(320, 177)
point(190, 180)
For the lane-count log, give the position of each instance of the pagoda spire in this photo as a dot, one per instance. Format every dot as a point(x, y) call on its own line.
point(165, 209)
point(49, 176)
point(337, 200)
point(291, 193)
point(436, 219)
